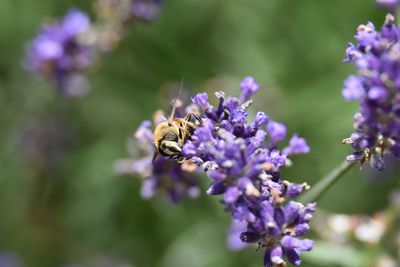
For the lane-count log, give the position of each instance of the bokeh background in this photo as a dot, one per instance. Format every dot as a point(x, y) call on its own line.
point(60, 201)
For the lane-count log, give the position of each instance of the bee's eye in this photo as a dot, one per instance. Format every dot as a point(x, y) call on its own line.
point(170, 137)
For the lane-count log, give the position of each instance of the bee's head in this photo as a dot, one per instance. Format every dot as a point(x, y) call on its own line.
point(169, 145)
point(166, 140)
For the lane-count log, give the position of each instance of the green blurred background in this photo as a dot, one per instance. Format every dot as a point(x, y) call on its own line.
point(77, 209)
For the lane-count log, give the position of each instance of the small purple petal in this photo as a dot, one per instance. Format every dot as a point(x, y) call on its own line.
point(201, 100)
point(354, 89)
point(277, 255)
point(301, 229)
point(292, 210)
point(297, 145)
point(231, 195)
point(276, 131)
point(378, 93)
point(75, 22)
point(293, 257)
point(248, 86)
point(216, 188)
point(261, 119)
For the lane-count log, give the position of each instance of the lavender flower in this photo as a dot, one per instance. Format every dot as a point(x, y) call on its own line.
point(146, 10)
point(388, 4)
point(244, 163)
point(10, 259)
point(377, 89)
point(164, 174)
point(58, 54)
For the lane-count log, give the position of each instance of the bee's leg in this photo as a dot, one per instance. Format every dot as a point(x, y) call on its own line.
point(188, 117)
point(198, 118)
point(154, 156)
point(187, 123)
point(181, 159)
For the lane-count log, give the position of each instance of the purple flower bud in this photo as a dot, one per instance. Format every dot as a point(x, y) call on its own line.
point(294, 257)
point(276, 131)
point(248, 86)
point(366, 34)
point(261, 119)
point(297, 145)
point(302, 229)
point(292, 211)
point(289, 242)
point(75, 22)
point(217, 188)
point(353, 89)
point(277, 255)
point(377, 93)
point(231, 195)
point(201, 100)
point(293, 190)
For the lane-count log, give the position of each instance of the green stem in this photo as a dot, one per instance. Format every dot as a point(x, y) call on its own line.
point(326, 182)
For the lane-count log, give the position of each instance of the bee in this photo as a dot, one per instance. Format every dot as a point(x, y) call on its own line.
point(171, 135)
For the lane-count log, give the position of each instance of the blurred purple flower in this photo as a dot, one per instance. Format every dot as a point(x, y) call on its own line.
point(10, 259)
point(57, 53)
point(297, 145)
point(277, 131)
point(146, 10)
point(377, 89)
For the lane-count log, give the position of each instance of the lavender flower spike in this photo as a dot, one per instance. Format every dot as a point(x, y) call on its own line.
point(58, 54)
point(244, 164)
point(376, 87)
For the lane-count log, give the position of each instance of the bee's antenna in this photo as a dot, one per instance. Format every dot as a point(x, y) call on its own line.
point(171, 117)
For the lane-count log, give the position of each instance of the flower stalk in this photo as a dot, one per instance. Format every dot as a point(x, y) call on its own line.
point(326, 182)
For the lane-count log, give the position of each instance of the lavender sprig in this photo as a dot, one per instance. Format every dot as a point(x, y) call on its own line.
point(146, 10)
point(377, 89)
point(64, 51)
point(57, 53)
point(244, 164)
